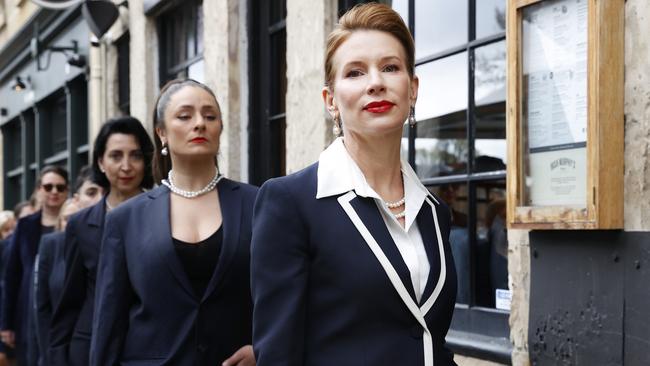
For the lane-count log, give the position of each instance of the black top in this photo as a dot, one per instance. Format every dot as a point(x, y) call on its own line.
point(46, 229)
point(200, 259)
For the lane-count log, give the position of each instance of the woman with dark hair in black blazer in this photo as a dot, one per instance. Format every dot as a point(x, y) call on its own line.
point(122, 166)
point(351, 263)
point(173, 277)
point(52, 190)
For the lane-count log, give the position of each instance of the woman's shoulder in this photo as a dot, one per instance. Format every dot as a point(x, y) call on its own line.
point(305, 178)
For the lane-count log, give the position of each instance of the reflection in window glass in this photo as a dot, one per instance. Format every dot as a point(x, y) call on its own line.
point(490, 107)
point(441, 141)
point(439, 25)
point(491, 242)
point(455, 196)
point(490, 17)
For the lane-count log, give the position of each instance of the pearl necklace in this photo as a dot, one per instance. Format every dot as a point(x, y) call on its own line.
point(169, 183)
point(396, 204)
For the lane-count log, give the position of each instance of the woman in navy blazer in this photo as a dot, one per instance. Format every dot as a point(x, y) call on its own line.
point(351, 263)
point(49, 273)
point(52, 190)
point(122, 166)
point(173, 276)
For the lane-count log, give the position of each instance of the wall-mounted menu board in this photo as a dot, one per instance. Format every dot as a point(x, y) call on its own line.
point(565, 114)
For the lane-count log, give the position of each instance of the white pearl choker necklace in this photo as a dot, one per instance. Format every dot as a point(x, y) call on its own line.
point(169, 183)
point(400, 215)
point(396, 204)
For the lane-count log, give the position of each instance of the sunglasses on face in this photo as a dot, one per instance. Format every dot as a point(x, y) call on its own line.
point(59, 187)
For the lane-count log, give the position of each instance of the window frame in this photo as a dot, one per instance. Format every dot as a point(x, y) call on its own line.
point(267, 137)
point(168, 35)
point(475, 330)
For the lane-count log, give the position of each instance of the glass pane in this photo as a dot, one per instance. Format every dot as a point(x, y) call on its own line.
point(455, 195)
point(13, 144)
point(490, 107)
point(490, 17)
point(190, 31)
point(199, 29)
point(58, 131)
point(439, 25)
point(441, 141)
point(491, 271)
point(402, 8)
point(277, 11)
point(278, 73)
point(195, 71)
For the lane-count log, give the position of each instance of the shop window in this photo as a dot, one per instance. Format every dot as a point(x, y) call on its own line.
point(123, 72)
point(180, 32)
point(458, 149)
point(268, 90)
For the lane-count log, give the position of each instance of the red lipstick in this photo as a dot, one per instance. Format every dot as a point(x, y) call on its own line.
point(379, 107)
point(198, 140)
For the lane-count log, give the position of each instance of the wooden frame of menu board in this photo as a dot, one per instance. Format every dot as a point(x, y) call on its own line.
point(565, 125)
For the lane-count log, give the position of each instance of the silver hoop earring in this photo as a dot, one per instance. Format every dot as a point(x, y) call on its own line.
point(164, 151)
point(336, 129)
point(412, 120)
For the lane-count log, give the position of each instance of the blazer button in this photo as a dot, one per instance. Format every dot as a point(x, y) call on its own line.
point(417, 331)
point(201, 348)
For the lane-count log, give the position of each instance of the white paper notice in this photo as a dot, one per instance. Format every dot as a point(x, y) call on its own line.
point(555, 100)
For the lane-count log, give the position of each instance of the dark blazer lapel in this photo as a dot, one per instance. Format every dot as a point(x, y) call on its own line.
point(427, 229)
point(230, 200)
point(369, 213)
point(159, 234)
point(34, 233)
point(95, 221)
point(431, 233)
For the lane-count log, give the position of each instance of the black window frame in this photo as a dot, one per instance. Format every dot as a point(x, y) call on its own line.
point(475, 331)
point(266, 130)
point(170, 39)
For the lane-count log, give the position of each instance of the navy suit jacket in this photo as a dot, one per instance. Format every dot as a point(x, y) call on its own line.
point(49, 272)
point(71, 327)
point(324, 294)
point(20, 266)
point(146, 311)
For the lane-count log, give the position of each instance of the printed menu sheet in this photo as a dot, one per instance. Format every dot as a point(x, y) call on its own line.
point(555, 101)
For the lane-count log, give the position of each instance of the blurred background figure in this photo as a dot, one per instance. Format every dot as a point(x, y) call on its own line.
point(51, 193)
point(24, 208)
point(7, 224)
point(87, 191)
point(49, 271)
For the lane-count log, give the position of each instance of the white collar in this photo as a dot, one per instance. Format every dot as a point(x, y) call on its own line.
point(338, 173)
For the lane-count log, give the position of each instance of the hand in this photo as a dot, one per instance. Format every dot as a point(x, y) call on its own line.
point(8, 338)
point(243, 357)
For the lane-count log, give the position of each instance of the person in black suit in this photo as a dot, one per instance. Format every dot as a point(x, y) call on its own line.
point(49, 271)
point(173, 276)
point(52, 190)
point(350, 259)
point(122, 166)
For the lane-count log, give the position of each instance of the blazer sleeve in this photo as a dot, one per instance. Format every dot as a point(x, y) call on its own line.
point(43, 303)
point(113, 297)
point(12, 278)
point(279, 277)
point(66, 311)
